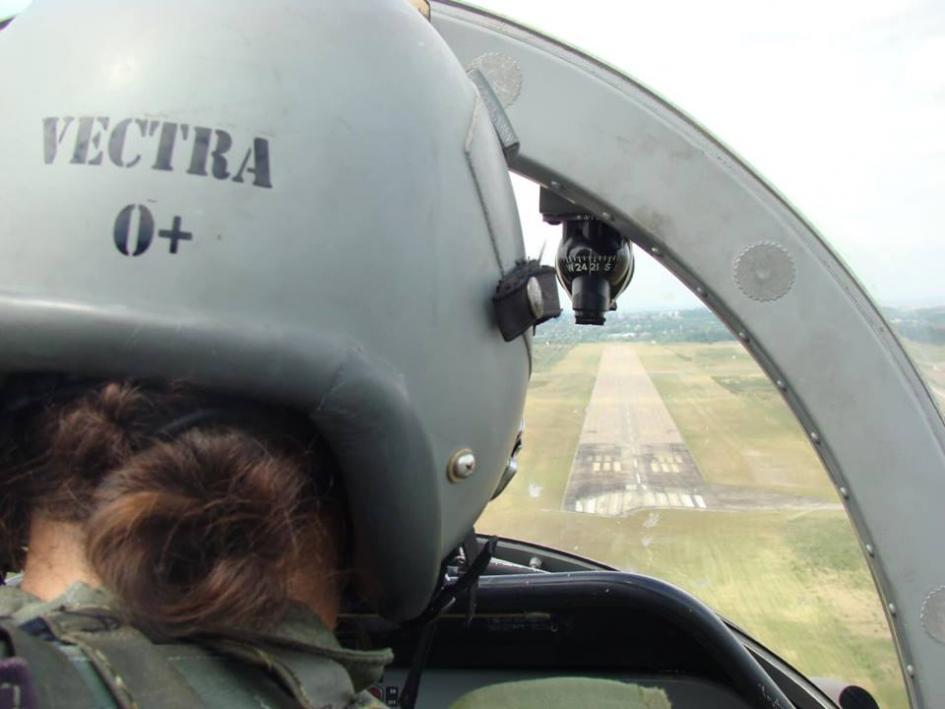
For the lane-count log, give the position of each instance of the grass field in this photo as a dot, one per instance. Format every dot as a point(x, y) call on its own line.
point(734, 420)
point(795, 580)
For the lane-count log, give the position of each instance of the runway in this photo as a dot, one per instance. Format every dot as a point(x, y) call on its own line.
point(630, 454)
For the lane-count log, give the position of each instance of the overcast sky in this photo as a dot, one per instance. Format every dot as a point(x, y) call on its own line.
point(11, 7)
point(839, 103)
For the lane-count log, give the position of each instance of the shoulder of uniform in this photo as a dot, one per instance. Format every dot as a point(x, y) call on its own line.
point(12, 599)
point(303, 631)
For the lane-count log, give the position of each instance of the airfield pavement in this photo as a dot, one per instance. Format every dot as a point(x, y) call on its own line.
point(631, 454)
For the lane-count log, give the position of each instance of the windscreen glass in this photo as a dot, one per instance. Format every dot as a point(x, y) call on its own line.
point(655, 443)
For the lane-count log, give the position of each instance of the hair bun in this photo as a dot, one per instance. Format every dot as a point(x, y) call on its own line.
point(197, 533)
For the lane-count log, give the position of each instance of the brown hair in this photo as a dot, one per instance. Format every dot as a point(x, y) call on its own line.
point(193, 533)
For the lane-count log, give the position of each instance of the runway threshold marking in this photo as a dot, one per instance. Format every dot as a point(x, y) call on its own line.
point(630, 453)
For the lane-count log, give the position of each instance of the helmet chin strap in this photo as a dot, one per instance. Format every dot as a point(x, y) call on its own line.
point(476, 562)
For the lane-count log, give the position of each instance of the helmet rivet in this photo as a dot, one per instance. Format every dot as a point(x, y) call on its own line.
point(462, 464)
point(536, 301)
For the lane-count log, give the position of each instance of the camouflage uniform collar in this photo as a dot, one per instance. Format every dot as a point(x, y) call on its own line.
point(23, 607)
point(301, 630)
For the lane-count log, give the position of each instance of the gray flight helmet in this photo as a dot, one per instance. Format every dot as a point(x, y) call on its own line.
point(299, 201)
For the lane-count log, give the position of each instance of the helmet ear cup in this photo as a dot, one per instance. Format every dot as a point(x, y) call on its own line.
point(378, 442)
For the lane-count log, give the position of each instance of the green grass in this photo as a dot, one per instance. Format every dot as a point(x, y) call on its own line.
point(554, 414)
point(824, 543)
point(750, 384)
point(796, 581)
point(545, 356)
point(734, 421)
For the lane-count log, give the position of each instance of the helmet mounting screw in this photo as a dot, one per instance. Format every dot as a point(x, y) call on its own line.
point(461, 466)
